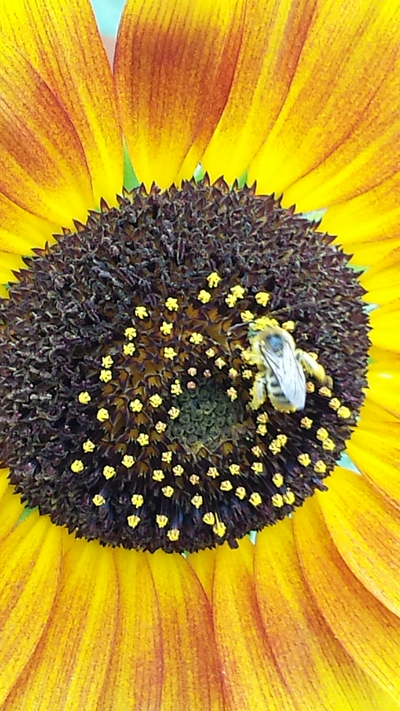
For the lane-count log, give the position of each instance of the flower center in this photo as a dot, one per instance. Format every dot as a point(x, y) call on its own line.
point(181, 370)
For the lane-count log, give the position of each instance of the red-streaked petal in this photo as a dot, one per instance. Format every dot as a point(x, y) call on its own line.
point(192, 676)
point(336, 134)
point(62, 41)
point(10, 505)
point(69, 665)
point(29, 560)
point(385, 322)
point(365, 627)
point(366, 530)
point(251, 677)
point(312, 662)
point(174, 64)
point(42, 164)
point(134, 678)
point(204, 564)
point(273, 37)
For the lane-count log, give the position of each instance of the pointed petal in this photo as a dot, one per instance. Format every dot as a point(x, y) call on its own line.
point(174, 64)
point(10, 505)
point(366, 531)
point(134, 678)
point(203, 563)
point(365, 627)
point(335, 136)
point(192, 677)
point(62, 42)
point(68, 668)
point(29, 560)
point(273, 40)
point(251, 677)
point(312, 662)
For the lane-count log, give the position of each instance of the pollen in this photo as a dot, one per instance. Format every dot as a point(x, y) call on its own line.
point(170, 353)
point(135, 405)
point(304, 459)
point(247, 316)
point(133, 520)
point(310, 387)
point(325, 391)
point(155, 400)
point(257, 451)
point(178, 470)
point(213, 472)
point(288, 326)
point(105, 375)
point(168, 491)
point(196, 338)
point(204, 296)
point(128, 461)
point(128, 349)
point(77, 466)
point(277, 501)
point(322, 434)
point(211, 352)
point(98, 500)
point(230, 300)
point(103, 414)
point(344, 412)
point(84, 398)
point(141, 312)
point(173, 534)
point(137, 500)
point(109, 472)
point(209, 518)
point(289, 497)
point(334, 403)
point(234, 469)
point(238, 291)
point(328, 444)
point(172, 304)
point(88, 446)
point(255, 499)
point(130, 333)
point(161, 520)
point(320, 467)
point(262, 298)
point(219, 529)
point(240, 492)
point(213, 280)
point(220, 363)
point(306, 423)
point(176, 388)
point(278, 480)
point(166, 457)
point(160, 427)
point(226, 485)
point(257, 467)
point(197, 501)
point(232, 394)
point(143, 439)
point(158, 475)
point(107, 361)
point(173, 412)
point(166, 328)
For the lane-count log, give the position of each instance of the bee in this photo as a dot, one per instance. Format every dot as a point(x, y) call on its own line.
point(281, 370)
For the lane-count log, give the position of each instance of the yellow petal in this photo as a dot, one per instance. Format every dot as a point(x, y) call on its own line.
point(336, 134)
point(251, 677)
point(384, 380)
point(10, 505)
point(204, 563)
point(191, 675)
point(68, 668)
point(365, 627)
point(42, 163)
point(366, 530)
point(385, 323)
point(29, 560)
point(313, 664)
point(273, 37)
point(62, 42)
point(174, 64)
point(134, 678)
point(382, 279)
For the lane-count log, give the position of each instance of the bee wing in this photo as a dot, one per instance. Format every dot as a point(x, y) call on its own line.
point(288, 373)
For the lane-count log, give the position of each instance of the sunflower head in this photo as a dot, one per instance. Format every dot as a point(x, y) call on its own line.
point(140, 409)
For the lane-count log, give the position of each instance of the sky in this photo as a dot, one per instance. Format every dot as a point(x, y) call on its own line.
point(108, 13)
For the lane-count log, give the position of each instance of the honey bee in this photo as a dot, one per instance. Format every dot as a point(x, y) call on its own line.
point(281, 370)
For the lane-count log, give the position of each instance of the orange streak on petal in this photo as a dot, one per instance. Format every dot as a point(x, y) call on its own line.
point(365, 628)
point(336, 134)
point(203, 563)
point(313, 663)
point(68, 668)
point(174, 64)
point(62, 41)
point(366, 531)
point(274, 33)
point(382, 279)
point(251, 676)
point(192, 677)
point(42, 164)
point(10, 507)
point(29, 560)
point(134, 678)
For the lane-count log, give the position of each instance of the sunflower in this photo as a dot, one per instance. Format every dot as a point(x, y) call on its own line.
point(200, 371)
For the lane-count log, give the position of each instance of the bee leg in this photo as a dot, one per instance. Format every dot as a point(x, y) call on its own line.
point(313, 368)
point(257, 392)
